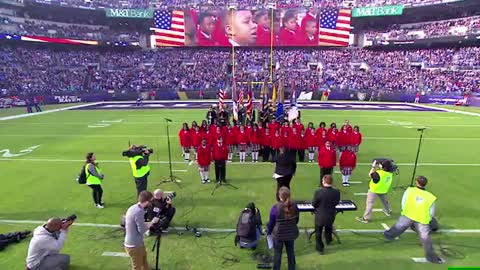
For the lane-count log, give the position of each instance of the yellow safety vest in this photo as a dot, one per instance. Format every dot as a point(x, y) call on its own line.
point(92, 179)
point(383, 186)
point(417, 205)
point(140, 172)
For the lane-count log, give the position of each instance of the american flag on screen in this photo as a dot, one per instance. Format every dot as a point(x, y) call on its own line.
point(169, 28)
point(335, 27)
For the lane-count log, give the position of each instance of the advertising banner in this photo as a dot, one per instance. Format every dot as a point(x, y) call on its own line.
point(266, 28)
point(129, 13)
point(377, 11)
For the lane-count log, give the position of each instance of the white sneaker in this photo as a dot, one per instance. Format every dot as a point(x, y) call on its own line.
point(99, 206)
point(387, 213)
point(204, 181)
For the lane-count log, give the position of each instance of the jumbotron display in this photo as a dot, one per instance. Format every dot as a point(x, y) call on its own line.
point(264, 28)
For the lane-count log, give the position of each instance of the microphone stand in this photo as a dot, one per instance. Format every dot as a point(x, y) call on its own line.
point(156, 246)
point(171, 178)
point(418, 154)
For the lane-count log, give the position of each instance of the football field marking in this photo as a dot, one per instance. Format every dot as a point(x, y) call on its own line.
point(447, 110)
point(385, 226)
point(45, 112)
point(115, 254)
point(360, 194)
point(217, 230)
point(231, 163)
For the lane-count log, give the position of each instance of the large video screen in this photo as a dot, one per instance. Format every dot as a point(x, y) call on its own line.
point(226, 28)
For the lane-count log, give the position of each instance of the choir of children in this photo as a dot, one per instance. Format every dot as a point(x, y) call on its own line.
point(256, 139)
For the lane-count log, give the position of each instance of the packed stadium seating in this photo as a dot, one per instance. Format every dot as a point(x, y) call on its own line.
point(27, 70)
point(239, 3)
point(455, 27)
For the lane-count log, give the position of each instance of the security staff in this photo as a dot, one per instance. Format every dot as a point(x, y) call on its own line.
point(94, 179)
point(380, 183)
point(140, 169)
point(418, 208)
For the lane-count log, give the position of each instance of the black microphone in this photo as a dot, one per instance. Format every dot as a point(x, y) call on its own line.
point(168, 120)
point(421, 129)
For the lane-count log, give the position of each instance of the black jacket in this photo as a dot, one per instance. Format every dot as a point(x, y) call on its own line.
point(286, 163)
point(324, 201)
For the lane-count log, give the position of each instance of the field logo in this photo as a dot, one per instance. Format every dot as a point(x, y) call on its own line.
point(7, 154)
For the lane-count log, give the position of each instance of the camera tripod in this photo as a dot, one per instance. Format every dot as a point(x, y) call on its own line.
point(222, 183)
point(171, 178)
point(156, 246)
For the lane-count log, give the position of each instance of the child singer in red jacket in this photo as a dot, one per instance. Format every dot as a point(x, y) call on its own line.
point(356, 138)
point(196, 137)
point(255, 139)
point(185, 141)
point(348, 162)
point(242, 140)
point(327, 159)
point(231, 141)
point(219, 156)
point(204, 158)
point(311, 139)
point(266, 142)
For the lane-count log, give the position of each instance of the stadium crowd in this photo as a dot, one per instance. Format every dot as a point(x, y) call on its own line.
point(455, 27)
point(54, 71)
point(240, 3)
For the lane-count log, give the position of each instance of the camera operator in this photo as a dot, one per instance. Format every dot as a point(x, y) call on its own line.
point(140, 169)
point(381, 180)
point(46, 243)
point(162, 208)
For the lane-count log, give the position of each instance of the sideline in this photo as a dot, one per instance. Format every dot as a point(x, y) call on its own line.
point(45, 112)
point(231, 163)
point(303, 230)
point(447, 110)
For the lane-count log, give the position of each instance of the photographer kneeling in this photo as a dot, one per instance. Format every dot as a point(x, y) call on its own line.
point(45, 246)
point(162, 208)
point(249, 227)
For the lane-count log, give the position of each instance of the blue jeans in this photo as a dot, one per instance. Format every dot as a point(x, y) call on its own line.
point(254, 243)
point(277, 254)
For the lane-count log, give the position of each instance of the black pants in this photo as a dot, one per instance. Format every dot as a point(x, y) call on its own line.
point(327, 233)
point(301, 155)
point(277, 254)
point(166, 218)
point(266, 153)
point(220, 170)
point(283, 181)
point(323, 172)
point(37, 108)
point(97, 193)
point(274, 153)
point(141, 183)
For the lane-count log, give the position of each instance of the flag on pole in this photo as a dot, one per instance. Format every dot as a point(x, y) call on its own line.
point(335, 27)
point(234, 102)
point(281, 100)
point(293, 111)
point(221, 97)
point(264, 93)
point(274, 96)
point(293, 98)
point(250, 99)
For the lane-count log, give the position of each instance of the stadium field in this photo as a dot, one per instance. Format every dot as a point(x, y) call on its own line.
point(39, 183)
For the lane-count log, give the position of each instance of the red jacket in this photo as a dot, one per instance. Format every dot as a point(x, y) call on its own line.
point(276, 142)
point(348, 159)
point(185, 139)
point(230, 137)
point(343, 138)
point(302, 142)
point(349, 128)
point(273, 127)
point(212, 129)
point(266, 140)
point(220, 152)
point(304, 40)
point(287, 37)
point(298, 127)
point(286, 129)
point(196, 138)
point(254, 137)
point(264, 36)
point(217, 135)
point(311, 139)
point(327, 158)
point(204, 156)
point(292, 141)
point(242, 138)
point(284, 141)
point(202, 40)
point(203, 128)
point(209, 137)
point(332, 136)
point(356, 138)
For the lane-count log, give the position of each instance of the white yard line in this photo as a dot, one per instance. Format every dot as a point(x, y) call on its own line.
point(231, 163)
point(355, 182)
point(45, 112)
point(179, 170)
point(385, 226)
point(115, 254)
point(216, 230)
point(447, 110)
point(360, 194)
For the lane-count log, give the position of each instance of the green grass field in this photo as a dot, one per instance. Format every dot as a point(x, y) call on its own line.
point(41, 184)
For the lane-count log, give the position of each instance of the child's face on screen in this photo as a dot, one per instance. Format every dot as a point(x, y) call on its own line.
point(311, 29)
point(264, 21)
point(242, 28)
point(291, 24)
point(207, 25)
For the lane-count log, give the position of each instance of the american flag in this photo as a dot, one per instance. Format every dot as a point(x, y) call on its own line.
point(221, 97)
point(250, 99)
point(169, 28)
point(335, 27)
